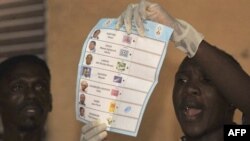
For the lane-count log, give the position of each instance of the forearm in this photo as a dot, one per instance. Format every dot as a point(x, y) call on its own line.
point(227, 75)
point(231, 80)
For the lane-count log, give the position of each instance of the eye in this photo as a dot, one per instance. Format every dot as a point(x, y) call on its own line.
point(181, 80)
point(206, 80)
point(40, 87)
point(17, 87)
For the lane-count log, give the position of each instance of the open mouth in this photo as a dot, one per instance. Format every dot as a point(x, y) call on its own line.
point(192, 113)
point(191, 110)
point(31, 110)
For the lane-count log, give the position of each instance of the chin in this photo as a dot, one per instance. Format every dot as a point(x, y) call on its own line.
point(193, 133)
point(31, 124)
point(28, 126)
point(193, 129)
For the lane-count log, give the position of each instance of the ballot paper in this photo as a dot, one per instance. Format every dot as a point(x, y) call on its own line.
point(118, 72)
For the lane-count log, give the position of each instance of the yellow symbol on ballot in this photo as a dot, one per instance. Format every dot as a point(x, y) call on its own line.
point(112, 106)
point(121, 66)
point(158, 30)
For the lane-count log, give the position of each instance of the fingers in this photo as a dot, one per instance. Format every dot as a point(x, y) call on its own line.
point(141, 14)
point(100, 137)
point(90, 125)
point(126, 18)
point(139, 22)
point(120, 21)
point(136, 12)
point(150, 10)
point(142, 9)
point(94, 131)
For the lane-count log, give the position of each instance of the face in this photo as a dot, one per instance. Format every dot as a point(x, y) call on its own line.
point(86, 72)
point(198, 105)
point(84, 85)
point(26, 98)
point(91, 45)
point(96, 33)
point(82, 111)
point(89, 59)
point(82, 98)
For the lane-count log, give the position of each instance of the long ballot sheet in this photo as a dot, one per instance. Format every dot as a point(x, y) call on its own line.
point(117, 74)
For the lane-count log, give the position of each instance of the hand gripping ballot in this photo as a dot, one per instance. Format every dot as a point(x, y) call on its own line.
point(185, 37)
point(94, 131)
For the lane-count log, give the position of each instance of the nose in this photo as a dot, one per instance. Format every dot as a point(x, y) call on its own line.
point(193, 89)
point(30, 93)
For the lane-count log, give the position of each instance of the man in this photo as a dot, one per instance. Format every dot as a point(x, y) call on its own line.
point(82, 111)
point(84, 86)
point(25, 98)
point(89, 59)
point(92, 45)
point(96, 34)
point(199, 105)
point(209, 84)
point(82, 99)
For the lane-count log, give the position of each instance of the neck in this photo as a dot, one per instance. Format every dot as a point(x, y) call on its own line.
point(216, 135)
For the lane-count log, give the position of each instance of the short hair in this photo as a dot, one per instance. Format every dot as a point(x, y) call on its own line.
point(84, 83)
point(9, 63)
point(93, 42)
point(89, 55)
point(98, 30)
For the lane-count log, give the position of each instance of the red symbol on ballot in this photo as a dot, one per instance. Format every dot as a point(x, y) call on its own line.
point(114, 92)
point(126, 39)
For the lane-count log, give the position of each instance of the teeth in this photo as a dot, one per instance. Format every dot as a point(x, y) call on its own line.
point(31, 110)
point(189, 111)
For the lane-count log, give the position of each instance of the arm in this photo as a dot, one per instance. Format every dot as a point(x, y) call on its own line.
point(230, 78)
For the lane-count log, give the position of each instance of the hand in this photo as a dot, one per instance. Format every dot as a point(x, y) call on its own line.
point(94, 131)
point(142, 11)
point(185, 37)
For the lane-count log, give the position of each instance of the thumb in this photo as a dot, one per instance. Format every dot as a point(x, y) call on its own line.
point(142, 8)
point(146, 9)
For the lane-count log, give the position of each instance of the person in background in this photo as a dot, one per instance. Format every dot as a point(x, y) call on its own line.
point(209, 84)
point(26, 98)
